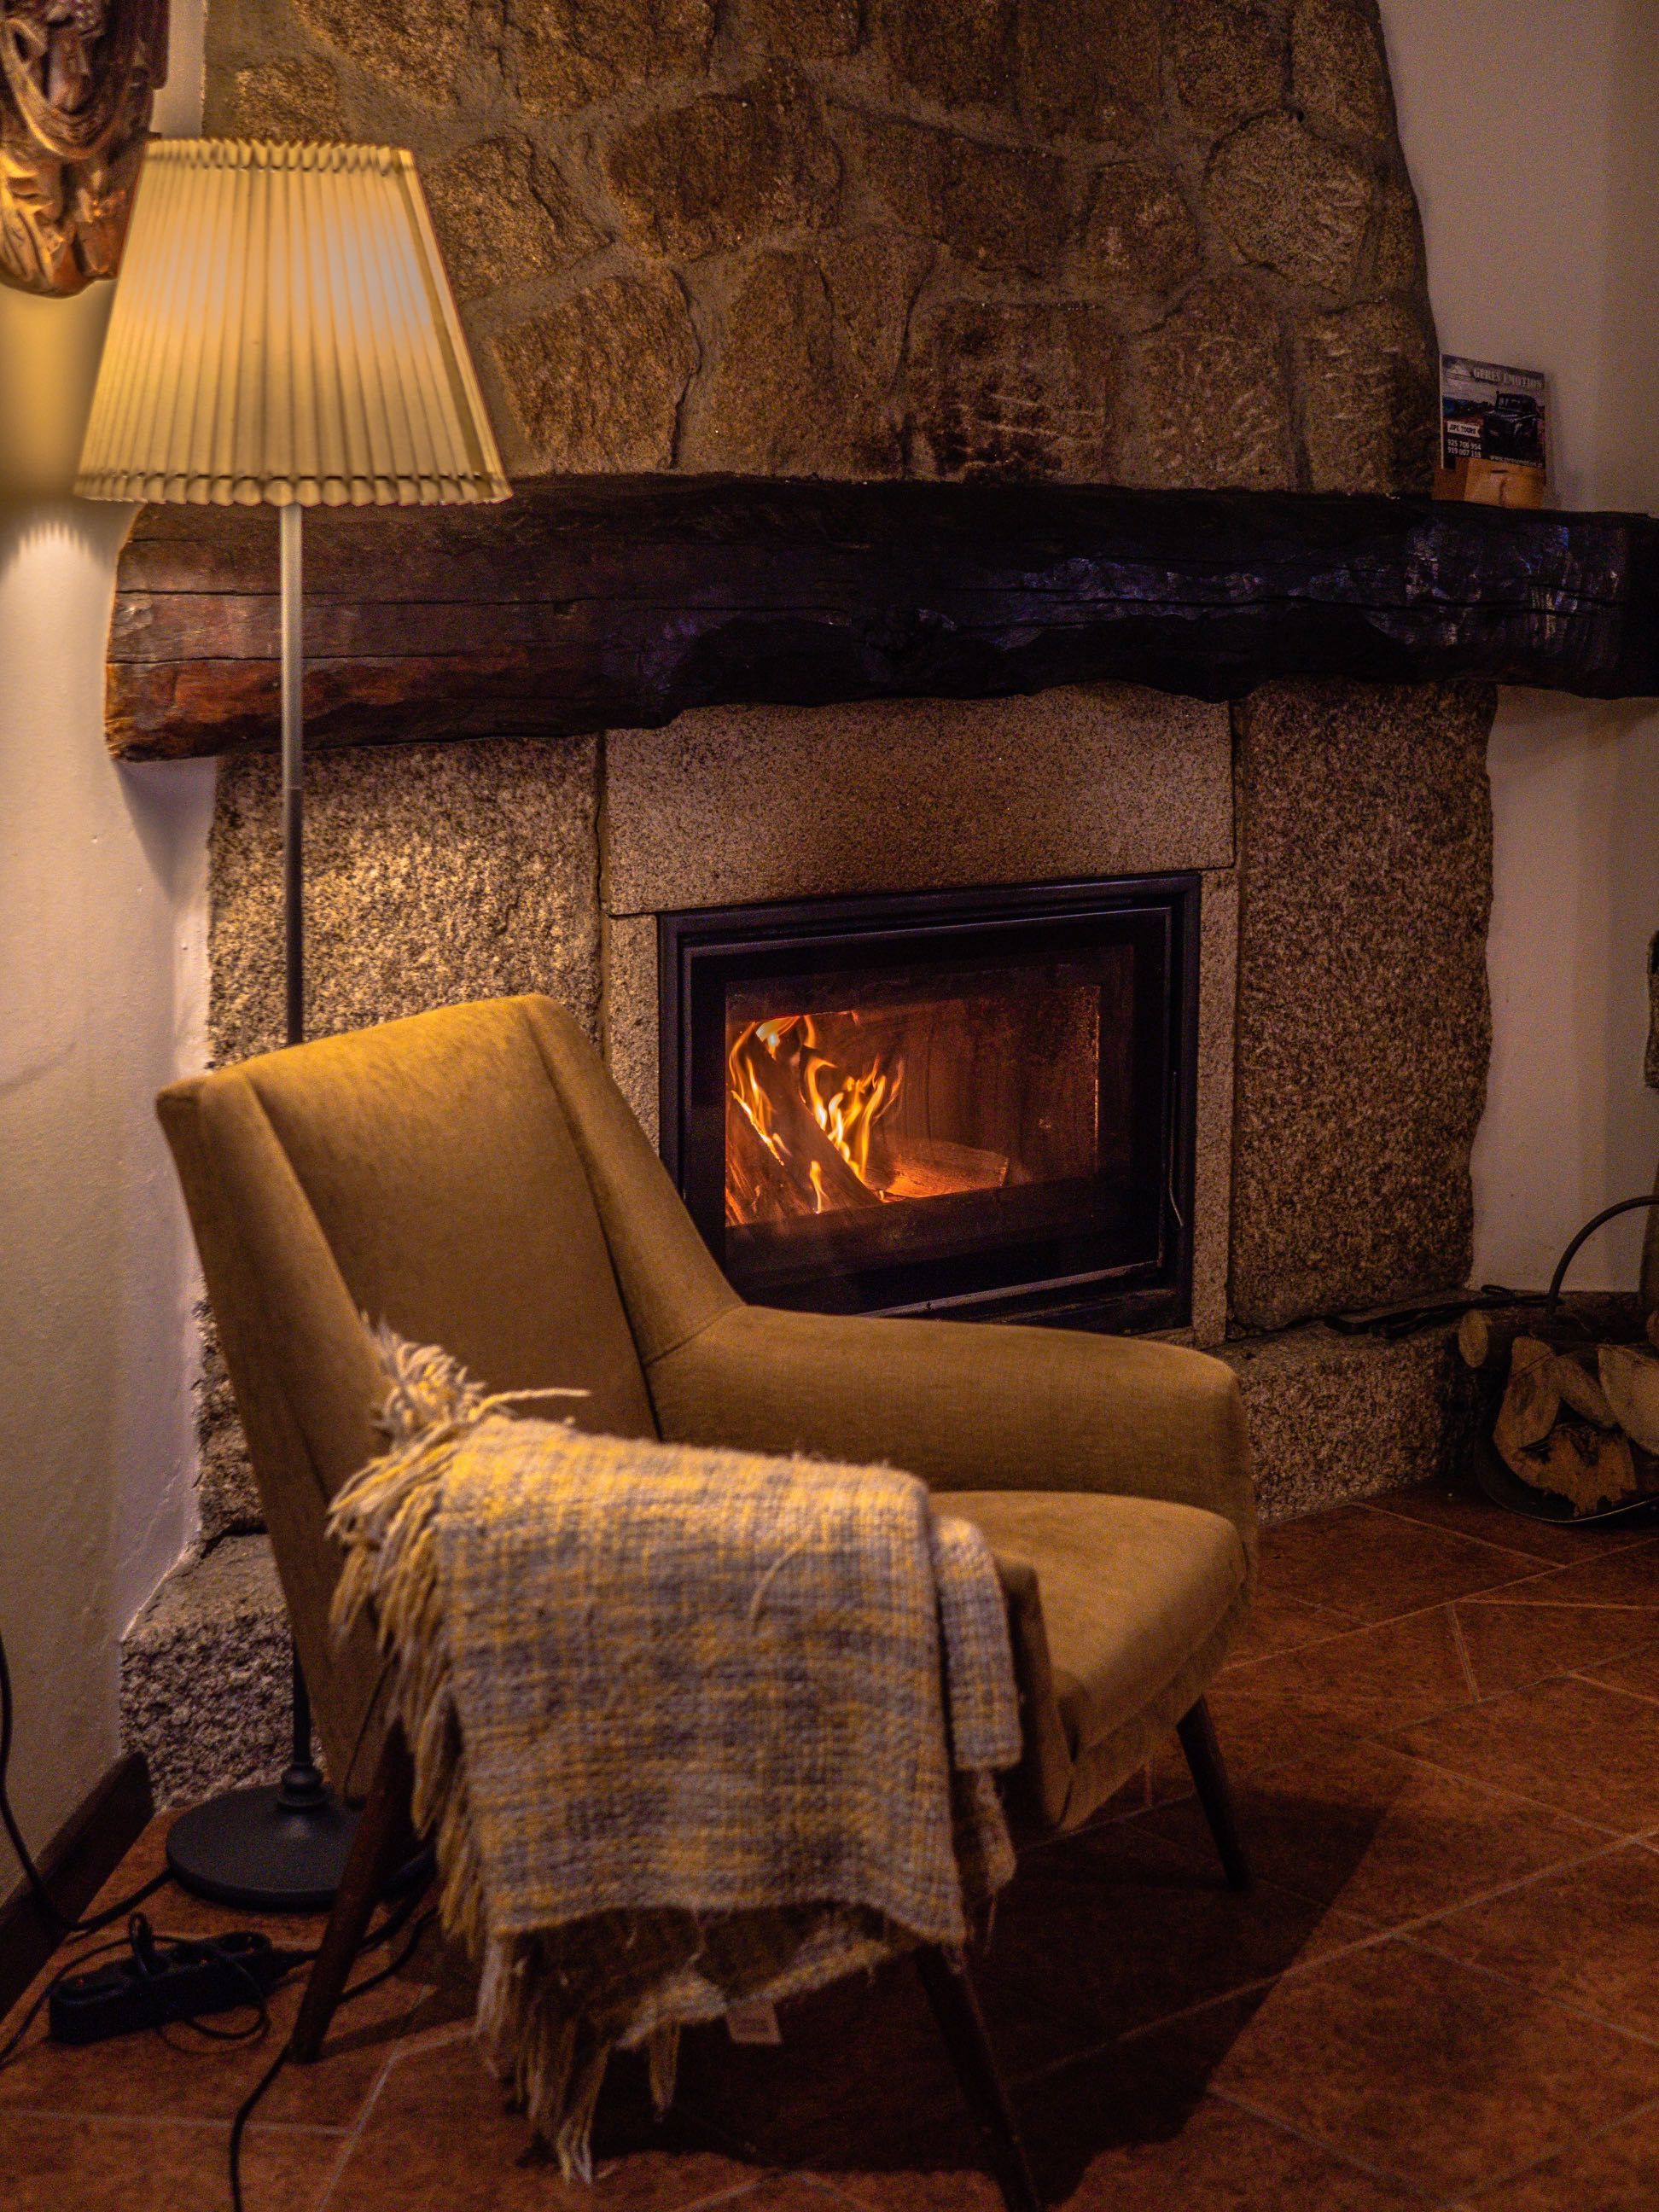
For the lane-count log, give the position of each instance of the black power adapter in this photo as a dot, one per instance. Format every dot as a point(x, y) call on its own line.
point(167, 1979)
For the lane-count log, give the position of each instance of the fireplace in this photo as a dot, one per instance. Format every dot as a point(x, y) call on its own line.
point(974, 1102)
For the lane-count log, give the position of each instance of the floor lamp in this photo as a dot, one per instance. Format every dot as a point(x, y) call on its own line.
point(283, 333)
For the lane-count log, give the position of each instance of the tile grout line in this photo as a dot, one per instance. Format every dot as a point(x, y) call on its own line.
point(1492, 1596)
point(1536, 1567)
point(1374, 1504)
point(1461, 1648)
point(1648, 2109)
point(1272, 2118)
point(1648, 2040)
point(1375, 1935)
point(337, 2170)
point(1618, 1690)
point(1436, 2198)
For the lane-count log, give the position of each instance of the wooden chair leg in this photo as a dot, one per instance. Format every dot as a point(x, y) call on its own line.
point(951, 1993)
point(379, 1848)
point(1198, 1741)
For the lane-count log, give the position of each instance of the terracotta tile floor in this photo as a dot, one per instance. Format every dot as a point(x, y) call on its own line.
point(1445, 1991)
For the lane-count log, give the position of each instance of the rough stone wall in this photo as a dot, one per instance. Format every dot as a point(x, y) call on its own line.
point(1165, 242)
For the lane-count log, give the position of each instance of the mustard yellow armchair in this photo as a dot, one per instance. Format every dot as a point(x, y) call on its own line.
point(474, 1178)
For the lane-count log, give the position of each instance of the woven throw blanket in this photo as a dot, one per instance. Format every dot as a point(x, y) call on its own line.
point(688, 1726)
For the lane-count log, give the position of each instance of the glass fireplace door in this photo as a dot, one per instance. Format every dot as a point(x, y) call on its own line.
point(964, 1102)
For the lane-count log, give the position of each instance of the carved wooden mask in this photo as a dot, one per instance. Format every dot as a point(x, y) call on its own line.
point(76, 81)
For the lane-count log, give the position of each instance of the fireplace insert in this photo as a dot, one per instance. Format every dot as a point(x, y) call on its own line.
point(978, 1103)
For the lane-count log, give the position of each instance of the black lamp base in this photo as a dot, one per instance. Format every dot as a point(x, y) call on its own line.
point(278, 1848)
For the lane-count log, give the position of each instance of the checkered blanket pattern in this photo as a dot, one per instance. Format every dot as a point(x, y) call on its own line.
point(690, 1726)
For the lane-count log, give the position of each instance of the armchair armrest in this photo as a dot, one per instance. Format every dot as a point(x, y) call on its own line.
point(968, 1405)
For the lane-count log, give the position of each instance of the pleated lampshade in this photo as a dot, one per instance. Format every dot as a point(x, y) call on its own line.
point(282, 331)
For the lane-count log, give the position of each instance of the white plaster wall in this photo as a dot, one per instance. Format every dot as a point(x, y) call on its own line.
point(103, 888)
point(1531, 128)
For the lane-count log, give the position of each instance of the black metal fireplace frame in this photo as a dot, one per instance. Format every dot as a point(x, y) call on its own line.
point(705, 944)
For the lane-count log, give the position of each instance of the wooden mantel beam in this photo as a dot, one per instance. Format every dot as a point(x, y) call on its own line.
point(596, 602)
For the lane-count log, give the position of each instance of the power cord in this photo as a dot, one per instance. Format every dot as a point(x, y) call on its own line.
point(155, 1961)
point(390, 1928)
point(151, 1959)
point(58, 1922)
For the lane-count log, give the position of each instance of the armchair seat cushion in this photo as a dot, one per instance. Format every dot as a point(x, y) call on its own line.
point(1121, 1609)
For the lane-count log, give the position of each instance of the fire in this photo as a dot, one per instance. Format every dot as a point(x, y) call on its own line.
point(816, 1121)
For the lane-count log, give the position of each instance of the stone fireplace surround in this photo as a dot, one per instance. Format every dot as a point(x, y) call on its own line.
point(920, 797)
point(1137, 243)
point(1342, 838)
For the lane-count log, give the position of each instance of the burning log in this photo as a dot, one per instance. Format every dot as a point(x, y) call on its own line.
point(805, 1129)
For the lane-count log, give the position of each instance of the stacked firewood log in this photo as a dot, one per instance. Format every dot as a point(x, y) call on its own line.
point(1579, 1412)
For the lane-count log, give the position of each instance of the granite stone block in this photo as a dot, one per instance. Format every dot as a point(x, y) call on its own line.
point(1370, 381)
point(285, 100)
point(630, 1014)
point(227, 1495)
point(1004, 208)
point(973, 67)
point(726, 169)
point(1140, 240)
point(1089, 72)
point(1227, 58)
point(1212, 1144)
point(410, 49)
point(595, 382)
point(206, 1681)
point(561, 55)
point(1337, 74)
point(765, 412)
point(745, 803)
point(1289, 202)
point(1334, 1417)
point(505, 215)
point(809, 29)
point(1207, 402)
point(1363, 1024)
point(433, 874)
point(1010, 389)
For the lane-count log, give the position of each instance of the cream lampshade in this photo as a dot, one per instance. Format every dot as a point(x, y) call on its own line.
point(283, 333)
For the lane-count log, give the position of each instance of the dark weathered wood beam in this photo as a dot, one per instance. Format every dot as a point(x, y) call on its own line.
point(596, 602)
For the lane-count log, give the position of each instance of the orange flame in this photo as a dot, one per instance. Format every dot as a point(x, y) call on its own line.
point(777, 1062)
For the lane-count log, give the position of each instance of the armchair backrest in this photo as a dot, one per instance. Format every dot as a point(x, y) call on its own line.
point(473, 1177)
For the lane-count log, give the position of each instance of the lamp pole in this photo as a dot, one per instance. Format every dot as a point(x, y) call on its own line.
point(293, 770)
point(303, 1792)
point(283, 1846)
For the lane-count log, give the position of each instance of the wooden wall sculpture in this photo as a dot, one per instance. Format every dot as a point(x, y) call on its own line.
point(77, 80)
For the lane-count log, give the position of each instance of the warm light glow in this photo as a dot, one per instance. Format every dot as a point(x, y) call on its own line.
point(862, 1112)
point(284, 330)
point(777, 1070)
